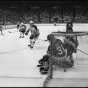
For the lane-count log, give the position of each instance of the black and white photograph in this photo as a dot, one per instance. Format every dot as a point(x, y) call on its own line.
point(44, 43)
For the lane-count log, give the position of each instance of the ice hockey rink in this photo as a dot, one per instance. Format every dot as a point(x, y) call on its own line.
point(18, 63)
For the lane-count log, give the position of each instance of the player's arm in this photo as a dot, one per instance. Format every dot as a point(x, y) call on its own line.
point(38, 31)
point(69, 42)
point(49, 51)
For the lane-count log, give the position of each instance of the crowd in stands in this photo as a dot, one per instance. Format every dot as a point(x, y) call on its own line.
point(45, 16)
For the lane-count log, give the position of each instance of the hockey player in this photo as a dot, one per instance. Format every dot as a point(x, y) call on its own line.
point(34, 33)
point(22, 29)
point(55, 21)
point(55, 50)
point(56, 46)
point(60, 49)
point(70, 42)
point(69, 27)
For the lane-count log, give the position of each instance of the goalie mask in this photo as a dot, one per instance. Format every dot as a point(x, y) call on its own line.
point(31, 22)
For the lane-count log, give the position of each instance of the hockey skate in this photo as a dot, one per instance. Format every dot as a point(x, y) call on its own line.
point(30, 46)
point(32, 42)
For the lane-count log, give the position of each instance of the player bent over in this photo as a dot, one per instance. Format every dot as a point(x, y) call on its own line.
point(59, 51)
point(55, 50)
point(22, 30)
point(34, 34)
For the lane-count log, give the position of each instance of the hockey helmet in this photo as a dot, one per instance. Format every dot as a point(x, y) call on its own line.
point(31, 22)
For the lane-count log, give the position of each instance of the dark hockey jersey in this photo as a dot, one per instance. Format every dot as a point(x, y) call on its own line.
point(56, 49)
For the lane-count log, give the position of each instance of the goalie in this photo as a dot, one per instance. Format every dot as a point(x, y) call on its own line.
point(55, 50)
point(60, 49)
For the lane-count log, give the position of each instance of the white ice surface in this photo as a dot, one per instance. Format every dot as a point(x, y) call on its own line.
point(18, 62)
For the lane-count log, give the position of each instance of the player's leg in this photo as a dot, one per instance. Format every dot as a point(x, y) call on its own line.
point(21, 35)
point(31, 41)
point(18, 28)
point(71, 61)
point(50, 71)
point(35, 38)
point(1, 31)
point(55, 24)
point(24, 30)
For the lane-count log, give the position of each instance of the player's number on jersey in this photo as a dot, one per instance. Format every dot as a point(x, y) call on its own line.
point(59, 50)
